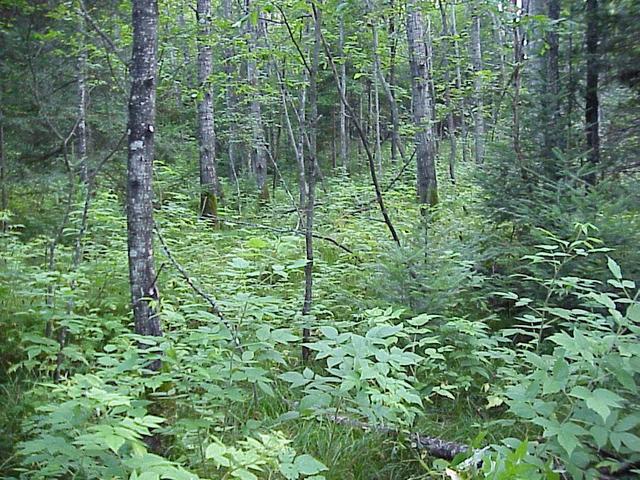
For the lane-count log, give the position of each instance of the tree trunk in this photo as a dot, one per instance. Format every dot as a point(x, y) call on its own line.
point(396, 145)
point(310, 162)
point(4, 195)
point(476, 56)
point(518, 60)
point(427, 186)
point(553, 135)
point(463, 103)
point(81, 84)
point(209, 184)
point(343, 112)
point(592, 102)
point(230, 99)
point(259, 157)
point(432, 86)
point(141, 128)
point(447, 96)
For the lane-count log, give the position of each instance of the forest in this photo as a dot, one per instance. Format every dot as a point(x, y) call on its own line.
point(319, 239)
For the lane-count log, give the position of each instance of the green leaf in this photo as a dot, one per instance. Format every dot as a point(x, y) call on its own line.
point(633, 312)
point(114, 442)
point(296, 379)
point(600, 401)
point(149, 476)
point(289, 471)
point(568, 441)
point(216, 452)
point(308, 465)
point(243, 474)
point(614, 268)
point(329, 332)
point(630, 441)
point(600, 435)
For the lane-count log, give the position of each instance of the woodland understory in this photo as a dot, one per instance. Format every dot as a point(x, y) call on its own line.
point(319, 239)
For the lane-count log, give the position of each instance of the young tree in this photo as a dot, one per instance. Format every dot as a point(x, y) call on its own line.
point(344, 140)
point(427, 185)
point(230, 97)
point(592, 101)
point(142, 110)
point(81, 84)
point(447, 95)
point(210, 190)
point(259, 157)
point(476, 57)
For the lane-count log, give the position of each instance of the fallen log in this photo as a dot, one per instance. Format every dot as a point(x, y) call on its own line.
point(433, 445)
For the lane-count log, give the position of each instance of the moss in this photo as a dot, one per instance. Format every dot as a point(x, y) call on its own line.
point(264, 197)
point(209, 206)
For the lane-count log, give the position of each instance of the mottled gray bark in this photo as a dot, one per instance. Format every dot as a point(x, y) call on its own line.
point(476, 57)
point(140, 167)
point(210, 190)
point(447, 95)
point(343, 112)
point(427, 186)
point(230, 99)
point(4, 194)
point(592, 101)
point(310, 162)
point(463, 103)
point(386, 87)
point(553, 135)
point(259, 156)
point(518, 60)
point(81, 85)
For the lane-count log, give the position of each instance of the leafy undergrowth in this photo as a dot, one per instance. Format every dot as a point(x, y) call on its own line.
point(402, 336)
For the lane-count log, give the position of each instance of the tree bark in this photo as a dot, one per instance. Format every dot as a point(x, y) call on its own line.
point(476, 56)
point(518, 58)
point(310, 162)
point(592, 101)
point(230, 99)
point(447, 96)
point(554, 134)
point(259, 157)
point(210, 190)
point(396, 145)
point(463, 103)
point(140, 167)
point(81, 84)
point(4, 194)
point(344, 140)
point(427, 186)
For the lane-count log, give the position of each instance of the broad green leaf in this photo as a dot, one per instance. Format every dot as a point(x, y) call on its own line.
point(601, 400)
point(614, 268)
point(307, 465)
point(216, 452)
point(568, 441)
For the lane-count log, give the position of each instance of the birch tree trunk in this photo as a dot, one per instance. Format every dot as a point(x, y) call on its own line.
point(396, 145)
point(230, 98)
point(518, 58)
point(421, 105)
point(4, 194)
point(343, 112)
point(310, 162)
point(209, 185)
point(142, 110)
point(554, 136)
point(463, 103)
point(447, 96)
point(259, 157)
point(476, 56)
point(81, 85)
point(592, 101)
